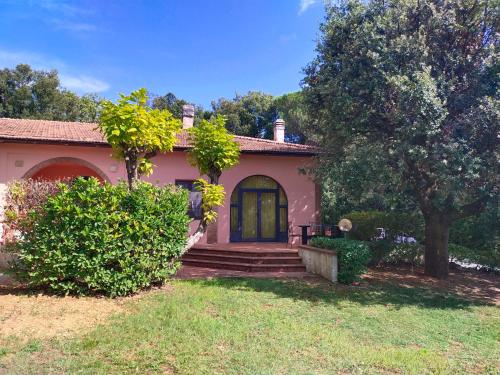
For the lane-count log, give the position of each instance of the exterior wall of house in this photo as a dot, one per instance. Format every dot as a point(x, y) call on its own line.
point(24, 160)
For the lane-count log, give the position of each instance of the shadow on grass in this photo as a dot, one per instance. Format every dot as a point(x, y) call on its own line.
point(386, 294)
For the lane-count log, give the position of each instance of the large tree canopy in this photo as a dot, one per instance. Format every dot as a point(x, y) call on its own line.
point(417, 82)
point(36, 94)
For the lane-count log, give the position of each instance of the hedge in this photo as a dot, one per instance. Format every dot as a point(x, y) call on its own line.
point(100, 238)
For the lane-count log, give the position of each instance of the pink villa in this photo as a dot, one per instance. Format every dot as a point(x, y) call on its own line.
point(266, 193)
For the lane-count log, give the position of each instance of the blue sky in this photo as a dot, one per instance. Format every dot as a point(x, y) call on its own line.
point(199, 50)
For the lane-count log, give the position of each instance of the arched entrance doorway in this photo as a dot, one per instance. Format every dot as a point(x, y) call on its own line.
point(62, 168)
point(259, 211)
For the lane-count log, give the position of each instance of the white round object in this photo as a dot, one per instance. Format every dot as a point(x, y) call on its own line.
point(345, 225)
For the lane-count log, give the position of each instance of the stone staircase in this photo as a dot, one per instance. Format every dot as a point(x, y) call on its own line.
point(248, 260)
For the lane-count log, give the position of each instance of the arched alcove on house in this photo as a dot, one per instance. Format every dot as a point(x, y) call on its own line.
point(64, 167)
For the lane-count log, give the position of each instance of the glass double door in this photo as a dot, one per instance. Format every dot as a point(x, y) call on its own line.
point(259, 209)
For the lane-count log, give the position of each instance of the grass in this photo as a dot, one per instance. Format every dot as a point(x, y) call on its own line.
point(252, 326)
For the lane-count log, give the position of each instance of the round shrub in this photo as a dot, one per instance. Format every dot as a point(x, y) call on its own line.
point(405, 253)
point(101, 238)
point(353, 256)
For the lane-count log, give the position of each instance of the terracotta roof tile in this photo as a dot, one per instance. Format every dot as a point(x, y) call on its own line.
point(44, 131)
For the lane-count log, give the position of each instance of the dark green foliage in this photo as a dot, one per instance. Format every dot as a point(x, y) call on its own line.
point(479, 232)
point(365, 224)
point(174, 105)
point(37, 94)
point(292, 109)
point(353, 256)
point(379, 249)
point(484, 257)
point(360, 180)
point(250, 115)
point(254, 113)
point(93, 238)
point(169, 102)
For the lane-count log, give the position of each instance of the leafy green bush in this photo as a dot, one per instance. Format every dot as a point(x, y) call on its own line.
point(101, 238)
point(353, 256)
point(405, 253)
point(365, 224)
point(379, 249)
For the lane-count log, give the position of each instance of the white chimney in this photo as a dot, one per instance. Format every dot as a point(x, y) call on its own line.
point(187, 116)
point(279, 130)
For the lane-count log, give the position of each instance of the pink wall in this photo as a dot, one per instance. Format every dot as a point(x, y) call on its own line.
point(17, 159)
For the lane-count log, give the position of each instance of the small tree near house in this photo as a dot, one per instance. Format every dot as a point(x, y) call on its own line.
point(137, 133)
point(213, 151)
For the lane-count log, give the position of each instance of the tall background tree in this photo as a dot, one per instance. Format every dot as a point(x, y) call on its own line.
point(251, 115)
point(174, 105)
point(37, 94)
point(415, 83)
point(292, 108)
point(254, 113)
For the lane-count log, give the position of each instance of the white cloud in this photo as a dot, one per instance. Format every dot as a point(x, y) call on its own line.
point(80, 83)
point(305, 4)
point(83, 84)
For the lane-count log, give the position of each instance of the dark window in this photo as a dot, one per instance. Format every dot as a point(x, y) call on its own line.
point(194, 210)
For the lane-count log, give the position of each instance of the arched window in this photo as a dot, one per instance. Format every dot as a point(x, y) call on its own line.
point(259, 211)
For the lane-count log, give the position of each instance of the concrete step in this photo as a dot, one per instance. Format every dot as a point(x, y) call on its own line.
point(243, 258)
point(247, 267)
point(248, 253)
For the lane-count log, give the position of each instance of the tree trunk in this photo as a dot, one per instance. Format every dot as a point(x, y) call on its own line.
point(203, 225)
point(195, 237)
point(437, 229)
point(132, 170)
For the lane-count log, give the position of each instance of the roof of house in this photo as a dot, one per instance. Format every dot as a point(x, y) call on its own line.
point(82, 133)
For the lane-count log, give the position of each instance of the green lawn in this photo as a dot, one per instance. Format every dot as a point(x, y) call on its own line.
point(248, 326)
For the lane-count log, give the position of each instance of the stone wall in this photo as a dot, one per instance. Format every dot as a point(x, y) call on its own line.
point(320, 261)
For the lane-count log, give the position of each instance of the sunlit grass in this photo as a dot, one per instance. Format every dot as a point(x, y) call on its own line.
point(247, 326)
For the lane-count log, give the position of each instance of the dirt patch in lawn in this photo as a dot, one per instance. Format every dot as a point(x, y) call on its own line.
point(30, 315)
point(469, 284)
point(44, 316)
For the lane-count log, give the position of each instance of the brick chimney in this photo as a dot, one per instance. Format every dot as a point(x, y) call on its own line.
point(279, 130)
point(187, 116)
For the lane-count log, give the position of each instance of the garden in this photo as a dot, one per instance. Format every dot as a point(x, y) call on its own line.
point(407, 140)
